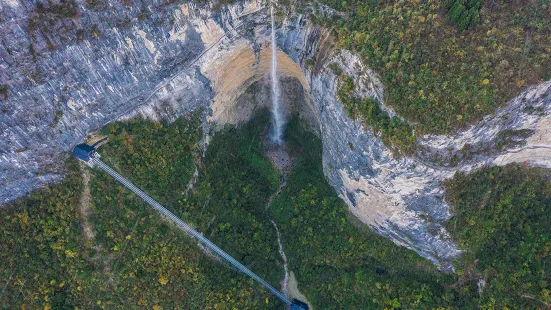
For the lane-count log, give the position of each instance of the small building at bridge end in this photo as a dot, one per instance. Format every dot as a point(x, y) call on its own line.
point(298, 305)
point(84, 152)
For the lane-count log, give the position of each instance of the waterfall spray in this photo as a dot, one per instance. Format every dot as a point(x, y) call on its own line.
point(277, 116)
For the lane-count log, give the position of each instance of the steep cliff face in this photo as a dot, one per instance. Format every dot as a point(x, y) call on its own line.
point(162, 60)
point(69, 72)
point(402, 197)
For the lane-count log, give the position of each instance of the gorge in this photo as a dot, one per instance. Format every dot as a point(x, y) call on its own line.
point(163, 61)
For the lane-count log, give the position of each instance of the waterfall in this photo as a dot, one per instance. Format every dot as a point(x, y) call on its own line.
point(277, 116)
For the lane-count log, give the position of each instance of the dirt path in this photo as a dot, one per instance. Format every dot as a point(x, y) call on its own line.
point(83, 207)
point(104, 262)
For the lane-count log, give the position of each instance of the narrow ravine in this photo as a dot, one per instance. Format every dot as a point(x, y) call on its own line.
point(285, 281)
point(279, 157)
point(282, 184)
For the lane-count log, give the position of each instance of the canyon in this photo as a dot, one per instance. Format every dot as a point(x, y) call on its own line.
point(181, 58)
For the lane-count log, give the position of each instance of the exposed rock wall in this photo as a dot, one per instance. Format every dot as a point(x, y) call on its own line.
point(181, 57)
point(402, 197)
point(89, 69)
point(240, 69)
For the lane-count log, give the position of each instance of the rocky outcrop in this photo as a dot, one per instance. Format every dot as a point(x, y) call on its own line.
point(161, 60)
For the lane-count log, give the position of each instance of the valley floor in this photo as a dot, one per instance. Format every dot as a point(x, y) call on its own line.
point(90, 243)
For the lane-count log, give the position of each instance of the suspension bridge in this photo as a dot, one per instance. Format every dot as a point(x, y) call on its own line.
point(88, 154)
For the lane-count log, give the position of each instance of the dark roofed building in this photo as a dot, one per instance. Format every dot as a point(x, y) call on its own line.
point(298, 305)
point(83, 151)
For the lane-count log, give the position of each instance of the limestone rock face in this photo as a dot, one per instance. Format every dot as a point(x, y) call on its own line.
point(161, 60)
point(84, 70)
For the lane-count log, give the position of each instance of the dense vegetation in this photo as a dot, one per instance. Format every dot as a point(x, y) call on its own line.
point(436, 76)
point(341, 264)
point(159, 266)
point(394, 131)
point(134, 258)
point(153, 155)
point(503, 220)
point(463, 13)
point(41, 257)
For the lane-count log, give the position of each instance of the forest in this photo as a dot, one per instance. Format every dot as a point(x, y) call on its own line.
point(134, 258)
point(395, 133)
point(446, 64)
point(502, 220)
point(89, 243)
